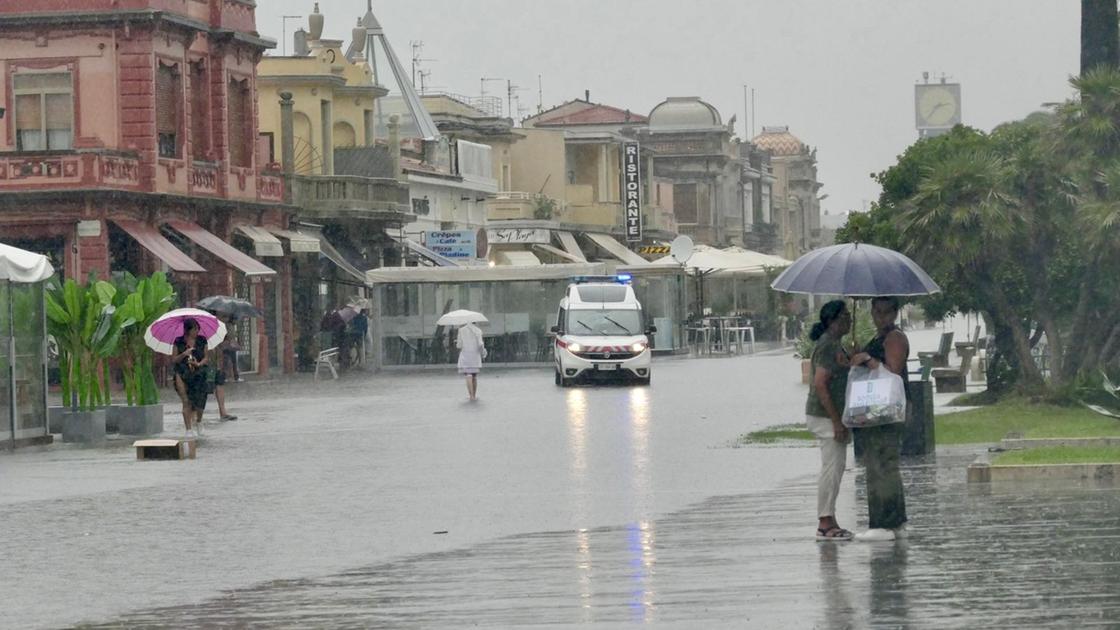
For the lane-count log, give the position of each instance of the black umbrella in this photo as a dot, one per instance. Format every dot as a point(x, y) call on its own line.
point(231, 306)
point(855, 270)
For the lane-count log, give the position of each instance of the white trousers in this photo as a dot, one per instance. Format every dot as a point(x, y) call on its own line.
point(834, 457)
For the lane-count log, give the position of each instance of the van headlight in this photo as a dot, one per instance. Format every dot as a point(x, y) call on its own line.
point(639, 346)
point(575, 348)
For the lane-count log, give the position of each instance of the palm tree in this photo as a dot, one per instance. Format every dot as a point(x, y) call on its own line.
point(962, 222)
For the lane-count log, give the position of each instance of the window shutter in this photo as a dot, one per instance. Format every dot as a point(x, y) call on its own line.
point(237, 102)
point(59, 111)
point(167, 100)
point(29, 114)
point(199, 112)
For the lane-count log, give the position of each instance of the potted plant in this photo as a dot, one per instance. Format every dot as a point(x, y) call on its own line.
point(83, 324)
point(143, 302)
point(803, 349)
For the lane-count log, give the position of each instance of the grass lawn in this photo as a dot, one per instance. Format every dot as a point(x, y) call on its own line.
point(1061, 455)
point(779, 433)
point(984, 425)
point(993, 423)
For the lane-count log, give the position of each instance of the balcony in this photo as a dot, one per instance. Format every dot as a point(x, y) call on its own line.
point(69, 170)
point(352, 197)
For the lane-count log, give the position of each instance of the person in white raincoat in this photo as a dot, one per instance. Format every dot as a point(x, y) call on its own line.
point(472, 351)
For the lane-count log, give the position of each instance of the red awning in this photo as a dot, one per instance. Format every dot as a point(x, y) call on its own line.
point(216, 246)
point(150, 238)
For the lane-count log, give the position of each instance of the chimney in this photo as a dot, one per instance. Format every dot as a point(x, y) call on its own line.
point(587, 96)
point(299, 43)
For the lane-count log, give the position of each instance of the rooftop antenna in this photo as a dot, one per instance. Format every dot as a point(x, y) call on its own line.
point(417, 48)
point(424, 74)
point(540, 94)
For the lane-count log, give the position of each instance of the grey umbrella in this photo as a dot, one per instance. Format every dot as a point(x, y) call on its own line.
point(855, 270)
point(226, 305)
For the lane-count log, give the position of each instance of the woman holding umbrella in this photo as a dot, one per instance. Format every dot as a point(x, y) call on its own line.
point(190, 360)
point(184, 335)
point(472, 349)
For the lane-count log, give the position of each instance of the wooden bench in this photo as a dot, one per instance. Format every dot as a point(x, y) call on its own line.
point(954, 380)
point(184, 448)
point(940, 357)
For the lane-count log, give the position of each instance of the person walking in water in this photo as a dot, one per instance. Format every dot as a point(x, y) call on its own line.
point(823, 409)
point(472, 351)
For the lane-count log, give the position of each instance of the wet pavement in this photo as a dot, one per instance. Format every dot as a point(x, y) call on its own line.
point(390, 502)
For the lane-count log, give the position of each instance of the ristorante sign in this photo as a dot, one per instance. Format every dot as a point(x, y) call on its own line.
point(632, 191)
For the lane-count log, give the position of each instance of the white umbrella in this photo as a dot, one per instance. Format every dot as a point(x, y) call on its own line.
point(461, 318)
point(18, 265)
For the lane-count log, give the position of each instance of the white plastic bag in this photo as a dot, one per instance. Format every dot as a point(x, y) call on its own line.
point(875, 397)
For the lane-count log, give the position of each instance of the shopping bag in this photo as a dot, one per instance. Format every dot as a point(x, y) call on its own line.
point(875, 397)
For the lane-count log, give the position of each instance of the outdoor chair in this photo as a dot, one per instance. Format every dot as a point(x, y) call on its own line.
point(953, 380)
point(327, 358)
point(941, 356)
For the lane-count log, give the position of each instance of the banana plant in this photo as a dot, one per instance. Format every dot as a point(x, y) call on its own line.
point(87, 330)
point(142, 303)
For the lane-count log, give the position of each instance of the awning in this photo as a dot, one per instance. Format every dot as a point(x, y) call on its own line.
point(568, 240)
point(440, 261)
point(559, 253)
point(333, 255)
point(616, 249)
point(150, 239)
point(216, 246)
point(264, 243)
point(517, 259)
point(298, 242)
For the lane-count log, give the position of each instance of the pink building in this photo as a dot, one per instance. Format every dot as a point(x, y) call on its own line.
point(128, 142)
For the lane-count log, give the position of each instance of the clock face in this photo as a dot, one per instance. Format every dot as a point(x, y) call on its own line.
point(938, 106)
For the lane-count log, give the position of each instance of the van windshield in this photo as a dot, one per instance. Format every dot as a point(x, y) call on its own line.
point(604, 322)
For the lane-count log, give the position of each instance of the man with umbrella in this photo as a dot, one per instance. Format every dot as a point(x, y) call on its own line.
point(228, 310)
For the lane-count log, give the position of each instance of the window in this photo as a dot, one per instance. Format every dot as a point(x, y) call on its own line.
point(684, 203)
point(200, 112)
point(240, 123)
point(169, 96)
point(44, 111)
point(266, 148)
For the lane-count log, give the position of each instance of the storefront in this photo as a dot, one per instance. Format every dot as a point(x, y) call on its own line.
point(520, 302)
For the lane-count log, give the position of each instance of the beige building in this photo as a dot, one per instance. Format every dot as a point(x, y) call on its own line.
point(796, 205)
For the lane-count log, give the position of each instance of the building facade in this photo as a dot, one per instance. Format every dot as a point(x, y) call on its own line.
point(129, 145)
point(796, 205)
point(699, 155)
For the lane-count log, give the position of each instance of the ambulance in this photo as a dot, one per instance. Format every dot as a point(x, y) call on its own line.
point(601, 333)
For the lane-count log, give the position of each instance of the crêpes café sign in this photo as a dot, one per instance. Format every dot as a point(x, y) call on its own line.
point(458, 244)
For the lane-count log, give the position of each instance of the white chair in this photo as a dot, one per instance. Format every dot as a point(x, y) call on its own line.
point(327, 358)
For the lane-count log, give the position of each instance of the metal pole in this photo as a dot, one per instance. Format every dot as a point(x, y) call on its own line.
point(11, 366)
point(754, 113)
point(746, 114)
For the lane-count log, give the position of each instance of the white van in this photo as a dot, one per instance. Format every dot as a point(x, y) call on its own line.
point(601, 332)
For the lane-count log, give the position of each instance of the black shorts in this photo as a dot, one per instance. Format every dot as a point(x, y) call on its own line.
point(220, 378)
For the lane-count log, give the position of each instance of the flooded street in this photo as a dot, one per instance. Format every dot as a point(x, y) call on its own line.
point(344, 506)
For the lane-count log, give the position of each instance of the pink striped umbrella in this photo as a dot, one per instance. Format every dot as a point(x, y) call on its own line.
point(163, 332)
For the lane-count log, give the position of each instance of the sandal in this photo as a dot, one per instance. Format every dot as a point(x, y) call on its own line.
point(833, 533)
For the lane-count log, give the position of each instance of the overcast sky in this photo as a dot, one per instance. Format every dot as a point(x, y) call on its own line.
point(840, 74)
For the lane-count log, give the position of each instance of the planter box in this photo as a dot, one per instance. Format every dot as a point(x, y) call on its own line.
point(55, 418)
point(138, 420)
point(84, 426)
point(806, 369)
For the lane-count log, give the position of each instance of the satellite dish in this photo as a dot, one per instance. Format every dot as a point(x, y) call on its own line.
point(681, 249)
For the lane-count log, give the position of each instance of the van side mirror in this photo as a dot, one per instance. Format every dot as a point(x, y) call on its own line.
point(650, 330)
point(555, 330)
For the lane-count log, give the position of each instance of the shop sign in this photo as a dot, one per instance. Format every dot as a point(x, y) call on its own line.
point(632, 190)
point(455, 244)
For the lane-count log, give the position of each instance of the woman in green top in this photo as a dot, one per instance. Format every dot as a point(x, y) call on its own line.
point(823, 411)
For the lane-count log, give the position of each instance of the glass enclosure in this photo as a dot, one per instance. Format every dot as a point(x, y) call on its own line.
point(521, 314)
point(23, 405)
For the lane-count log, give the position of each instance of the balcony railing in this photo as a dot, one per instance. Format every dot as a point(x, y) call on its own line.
point(348, 196)
point(69, 170)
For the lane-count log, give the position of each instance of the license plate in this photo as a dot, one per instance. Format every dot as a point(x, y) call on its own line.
point(606, 367)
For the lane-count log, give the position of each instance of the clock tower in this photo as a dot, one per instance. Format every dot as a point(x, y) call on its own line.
point(937, 106)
